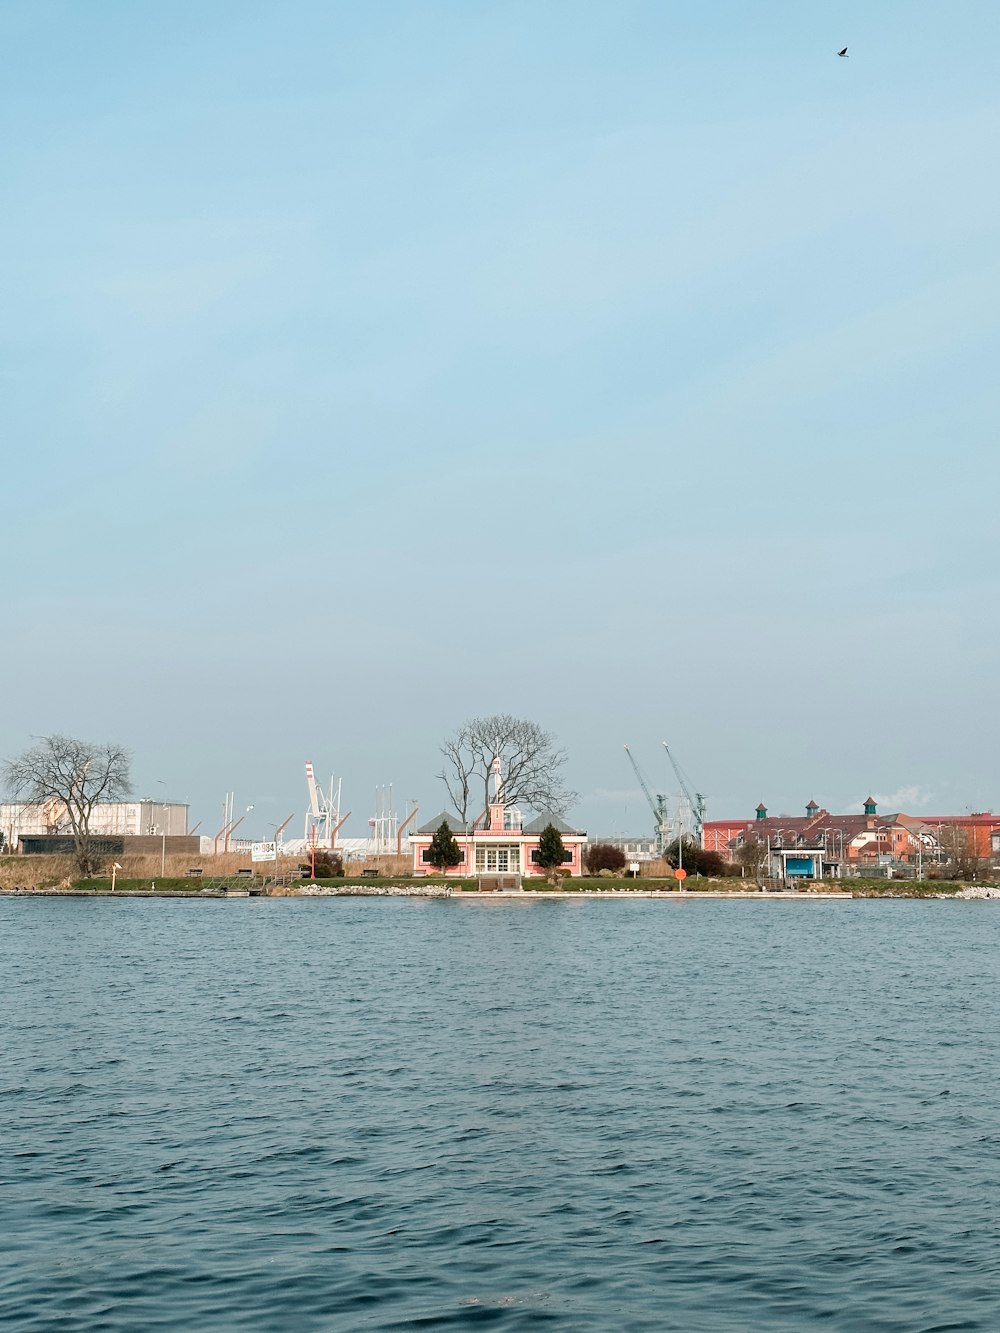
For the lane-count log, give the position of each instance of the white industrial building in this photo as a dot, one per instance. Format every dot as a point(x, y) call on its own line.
point(110, 818)
point(634, 848)
point(349, 849)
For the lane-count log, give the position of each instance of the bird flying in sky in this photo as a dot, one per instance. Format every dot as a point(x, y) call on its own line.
point(843, 53)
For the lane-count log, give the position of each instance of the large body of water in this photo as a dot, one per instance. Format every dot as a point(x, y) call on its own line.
point(392, 1114)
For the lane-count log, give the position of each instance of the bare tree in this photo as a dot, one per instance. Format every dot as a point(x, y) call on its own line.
point(459, 771)
point(754, 857)
point(962, 851)
point(529, 760)
point(74, 776)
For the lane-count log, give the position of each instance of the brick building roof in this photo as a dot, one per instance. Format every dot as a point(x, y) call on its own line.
point(805, 830)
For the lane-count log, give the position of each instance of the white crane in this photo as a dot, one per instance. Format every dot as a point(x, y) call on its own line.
point(658, 805)
point(323, 816)
point(695, 800)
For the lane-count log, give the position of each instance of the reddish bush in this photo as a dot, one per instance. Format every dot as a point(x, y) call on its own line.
point(602, 856)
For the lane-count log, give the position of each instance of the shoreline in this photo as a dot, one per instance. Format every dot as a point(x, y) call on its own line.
point(521, 895)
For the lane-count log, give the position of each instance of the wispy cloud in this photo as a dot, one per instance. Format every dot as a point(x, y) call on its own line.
point(902, 799)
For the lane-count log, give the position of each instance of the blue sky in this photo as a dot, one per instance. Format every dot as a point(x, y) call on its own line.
point(628, 366)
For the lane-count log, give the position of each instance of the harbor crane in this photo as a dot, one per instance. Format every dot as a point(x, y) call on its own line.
point(695, 800)
point(658, 805)
point(323, 816)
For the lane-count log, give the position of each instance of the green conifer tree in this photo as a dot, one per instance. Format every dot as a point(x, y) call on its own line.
point(444, 852)
point(551, 852)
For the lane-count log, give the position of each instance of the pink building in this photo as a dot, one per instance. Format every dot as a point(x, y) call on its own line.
point(497, 844)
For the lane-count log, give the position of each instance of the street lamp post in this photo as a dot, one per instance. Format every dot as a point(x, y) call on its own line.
point(888, 829)
point(920, 854)
point(882, 839)
point(161, 829)
point(833, 841)
point(277, 830)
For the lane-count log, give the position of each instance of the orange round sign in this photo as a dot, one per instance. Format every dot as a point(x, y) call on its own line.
point(680, 873)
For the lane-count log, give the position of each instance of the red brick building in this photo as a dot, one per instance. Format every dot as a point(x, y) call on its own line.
point(819, 844)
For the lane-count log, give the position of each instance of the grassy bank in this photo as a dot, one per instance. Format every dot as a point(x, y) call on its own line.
point(219, 874)
point(161, 885)
point(46, 872)
point(900, 888)
point(49, 872)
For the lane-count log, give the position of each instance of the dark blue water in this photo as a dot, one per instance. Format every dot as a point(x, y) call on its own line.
point(390, 1114)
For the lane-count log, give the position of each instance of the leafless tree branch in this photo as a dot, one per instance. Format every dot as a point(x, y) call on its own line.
point(529, 758)
point(74, 776)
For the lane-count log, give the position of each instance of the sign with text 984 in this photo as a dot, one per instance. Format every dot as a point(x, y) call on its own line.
point(263, 851)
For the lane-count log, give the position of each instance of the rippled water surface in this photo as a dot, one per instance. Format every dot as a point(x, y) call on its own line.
point(390, 1114)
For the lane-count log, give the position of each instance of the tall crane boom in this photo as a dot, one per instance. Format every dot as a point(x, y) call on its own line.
point(323, 816)
point(694, 798)
point(658, 805)
point(313, 792)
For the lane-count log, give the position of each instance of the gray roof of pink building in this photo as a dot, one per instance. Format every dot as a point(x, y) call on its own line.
point(432, 825)
point(541, 821)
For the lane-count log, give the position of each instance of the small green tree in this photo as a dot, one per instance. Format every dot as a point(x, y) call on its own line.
point(551, 852)
point(444, 852)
